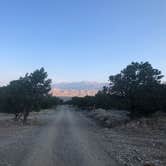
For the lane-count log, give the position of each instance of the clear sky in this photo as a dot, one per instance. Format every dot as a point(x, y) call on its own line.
point(80, 39)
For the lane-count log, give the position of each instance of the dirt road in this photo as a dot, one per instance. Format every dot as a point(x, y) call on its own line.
point(68, 139)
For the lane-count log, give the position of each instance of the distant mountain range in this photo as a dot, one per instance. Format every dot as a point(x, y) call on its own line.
point(79, 89)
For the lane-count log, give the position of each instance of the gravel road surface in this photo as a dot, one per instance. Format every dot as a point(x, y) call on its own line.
point(67, 138)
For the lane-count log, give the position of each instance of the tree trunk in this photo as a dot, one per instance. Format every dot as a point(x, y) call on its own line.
point(17, 116)
point(25, 116)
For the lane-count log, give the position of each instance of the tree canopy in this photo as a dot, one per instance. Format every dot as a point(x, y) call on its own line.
point(26, 94)
point(137, 88)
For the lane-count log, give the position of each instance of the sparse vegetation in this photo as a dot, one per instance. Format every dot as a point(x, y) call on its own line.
point(137, 88)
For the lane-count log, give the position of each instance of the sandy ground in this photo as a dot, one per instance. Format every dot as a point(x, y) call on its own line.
point(64, 138)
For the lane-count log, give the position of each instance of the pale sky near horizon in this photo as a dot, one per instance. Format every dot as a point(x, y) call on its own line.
point(79, 40)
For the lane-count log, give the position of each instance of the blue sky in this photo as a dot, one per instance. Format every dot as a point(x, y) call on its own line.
point(80, 39)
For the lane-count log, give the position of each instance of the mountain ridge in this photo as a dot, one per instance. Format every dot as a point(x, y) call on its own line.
point(80, 89)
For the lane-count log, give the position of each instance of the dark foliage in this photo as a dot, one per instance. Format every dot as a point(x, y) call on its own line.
point(136, 88)
point(50, 101)
point(82, 102)
point(140, 84)
point(28, 93)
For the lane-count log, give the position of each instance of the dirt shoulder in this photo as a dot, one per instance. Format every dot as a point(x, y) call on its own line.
point(134, 143)
point(16, 140)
